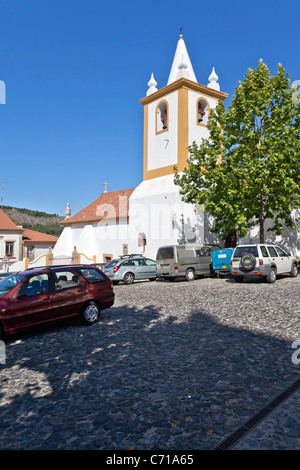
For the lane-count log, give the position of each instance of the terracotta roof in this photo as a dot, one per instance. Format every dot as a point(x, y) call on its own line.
point(38, 237)
point(114, 204)
point(7, 224)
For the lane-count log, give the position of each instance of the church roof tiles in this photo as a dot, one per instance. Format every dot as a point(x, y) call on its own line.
point(112, 205)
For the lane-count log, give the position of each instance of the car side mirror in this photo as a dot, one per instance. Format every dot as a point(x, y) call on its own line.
point(21, 295)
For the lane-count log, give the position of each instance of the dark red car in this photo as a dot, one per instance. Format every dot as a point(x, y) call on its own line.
point(49, 294)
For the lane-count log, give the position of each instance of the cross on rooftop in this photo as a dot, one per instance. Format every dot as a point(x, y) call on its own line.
point(105, 186)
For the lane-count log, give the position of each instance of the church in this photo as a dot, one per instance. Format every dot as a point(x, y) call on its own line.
point(140, 220)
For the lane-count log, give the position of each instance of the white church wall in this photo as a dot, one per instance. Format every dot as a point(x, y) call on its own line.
point(67, 240)
point(156, 210)
point(289, 240)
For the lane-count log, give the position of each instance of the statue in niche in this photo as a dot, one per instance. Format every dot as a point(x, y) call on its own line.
point(201, 112)
point(164, 119)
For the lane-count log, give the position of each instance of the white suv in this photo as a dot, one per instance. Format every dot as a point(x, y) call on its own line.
point(263, 260)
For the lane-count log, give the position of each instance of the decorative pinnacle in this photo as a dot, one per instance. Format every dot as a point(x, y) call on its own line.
point(152, 85)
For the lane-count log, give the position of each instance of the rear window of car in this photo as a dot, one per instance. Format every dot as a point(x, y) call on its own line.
point(112, 263)
point(165, 253)
point(92, 275)
point(242, 250)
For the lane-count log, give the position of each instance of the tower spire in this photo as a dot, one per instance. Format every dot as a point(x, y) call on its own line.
point(181, 57)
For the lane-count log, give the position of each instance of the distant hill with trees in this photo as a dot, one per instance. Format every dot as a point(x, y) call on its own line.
point(35, 220)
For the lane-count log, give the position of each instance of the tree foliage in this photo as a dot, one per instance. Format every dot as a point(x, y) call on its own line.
point(257, 143)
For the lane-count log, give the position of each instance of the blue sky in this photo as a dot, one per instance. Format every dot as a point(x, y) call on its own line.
point(76, 70)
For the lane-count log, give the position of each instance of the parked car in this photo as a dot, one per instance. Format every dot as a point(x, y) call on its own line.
point(129, 268)
point(186, 261)
point(221, 261)
point(99, 266)
point(44, 295)
point(262, 261)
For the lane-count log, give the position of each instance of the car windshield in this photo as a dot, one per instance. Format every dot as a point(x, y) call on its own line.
point(112, 263)
point(241, 250)
point(9, 283)
point(165, 253)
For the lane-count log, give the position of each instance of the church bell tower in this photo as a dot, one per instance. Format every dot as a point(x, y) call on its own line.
point(176, 115)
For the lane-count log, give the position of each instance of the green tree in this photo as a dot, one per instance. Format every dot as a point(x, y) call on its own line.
point(257, 143)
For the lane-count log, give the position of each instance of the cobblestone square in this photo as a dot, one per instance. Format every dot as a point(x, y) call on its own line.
point(170, 366)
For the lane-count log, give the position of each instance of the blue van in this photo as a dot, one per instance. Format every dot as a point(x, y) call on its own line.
point(221, 260)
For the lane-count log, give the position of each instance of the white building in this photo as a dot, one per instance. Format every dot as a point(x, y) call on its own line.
point(17, 243)
point(153, 214)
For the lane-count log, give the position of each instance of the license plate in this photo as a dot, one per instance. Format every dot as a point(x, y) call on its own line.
point(224, 267)
point(235, 264)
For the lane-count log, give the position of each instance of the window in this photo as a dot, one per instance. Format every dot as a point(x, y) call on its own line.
point(9, 249)
point(264, 251)
point(9, 283)
point(202, 112)
point(280, 251)
point(30, 252)
point(272, 251)
point(35, 285)
point(65, 279)
point(150, 262)
point(204, 251)
point(92, 275)
point(240, 251)
point(125, 249)
point(162, 117)
point(107, 258)
point(111, 264)
point(165, 253)
point(127, 263)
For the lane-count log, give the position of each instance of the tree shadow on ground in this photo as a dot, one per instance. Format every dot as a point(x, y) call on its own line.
point(138, 379)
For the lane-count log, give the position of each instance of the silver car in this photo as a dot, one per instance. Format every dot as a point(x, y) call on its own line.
point(262, 261)
point(129, 268)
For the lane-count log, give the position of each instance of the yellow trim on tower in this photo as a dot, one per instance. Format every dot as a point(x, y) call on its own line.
point(145, 169)
point(183, 128)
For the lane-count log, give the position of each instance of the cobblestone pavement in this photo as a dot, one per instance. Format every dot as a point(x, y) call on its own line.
point(279, 431)
point(169, 366)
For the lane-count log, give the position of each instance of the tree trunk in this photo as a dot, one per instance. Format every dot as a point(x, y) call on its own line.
point(261, 221)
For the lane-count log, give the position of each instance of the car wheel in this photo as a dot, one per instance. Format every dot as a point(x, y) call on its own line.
point(90, 313)
point(238, 278)
point(271, 277)
point(190, 275)
point(294, 271)
point(1, 333)
point(128, 278)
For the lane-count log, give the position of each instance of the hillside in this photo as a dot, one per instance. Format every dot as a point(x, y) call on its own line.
point(35, 220)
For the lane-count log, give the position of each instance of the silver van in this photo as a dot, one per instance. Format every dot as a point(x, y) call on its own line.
point(186, 261)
